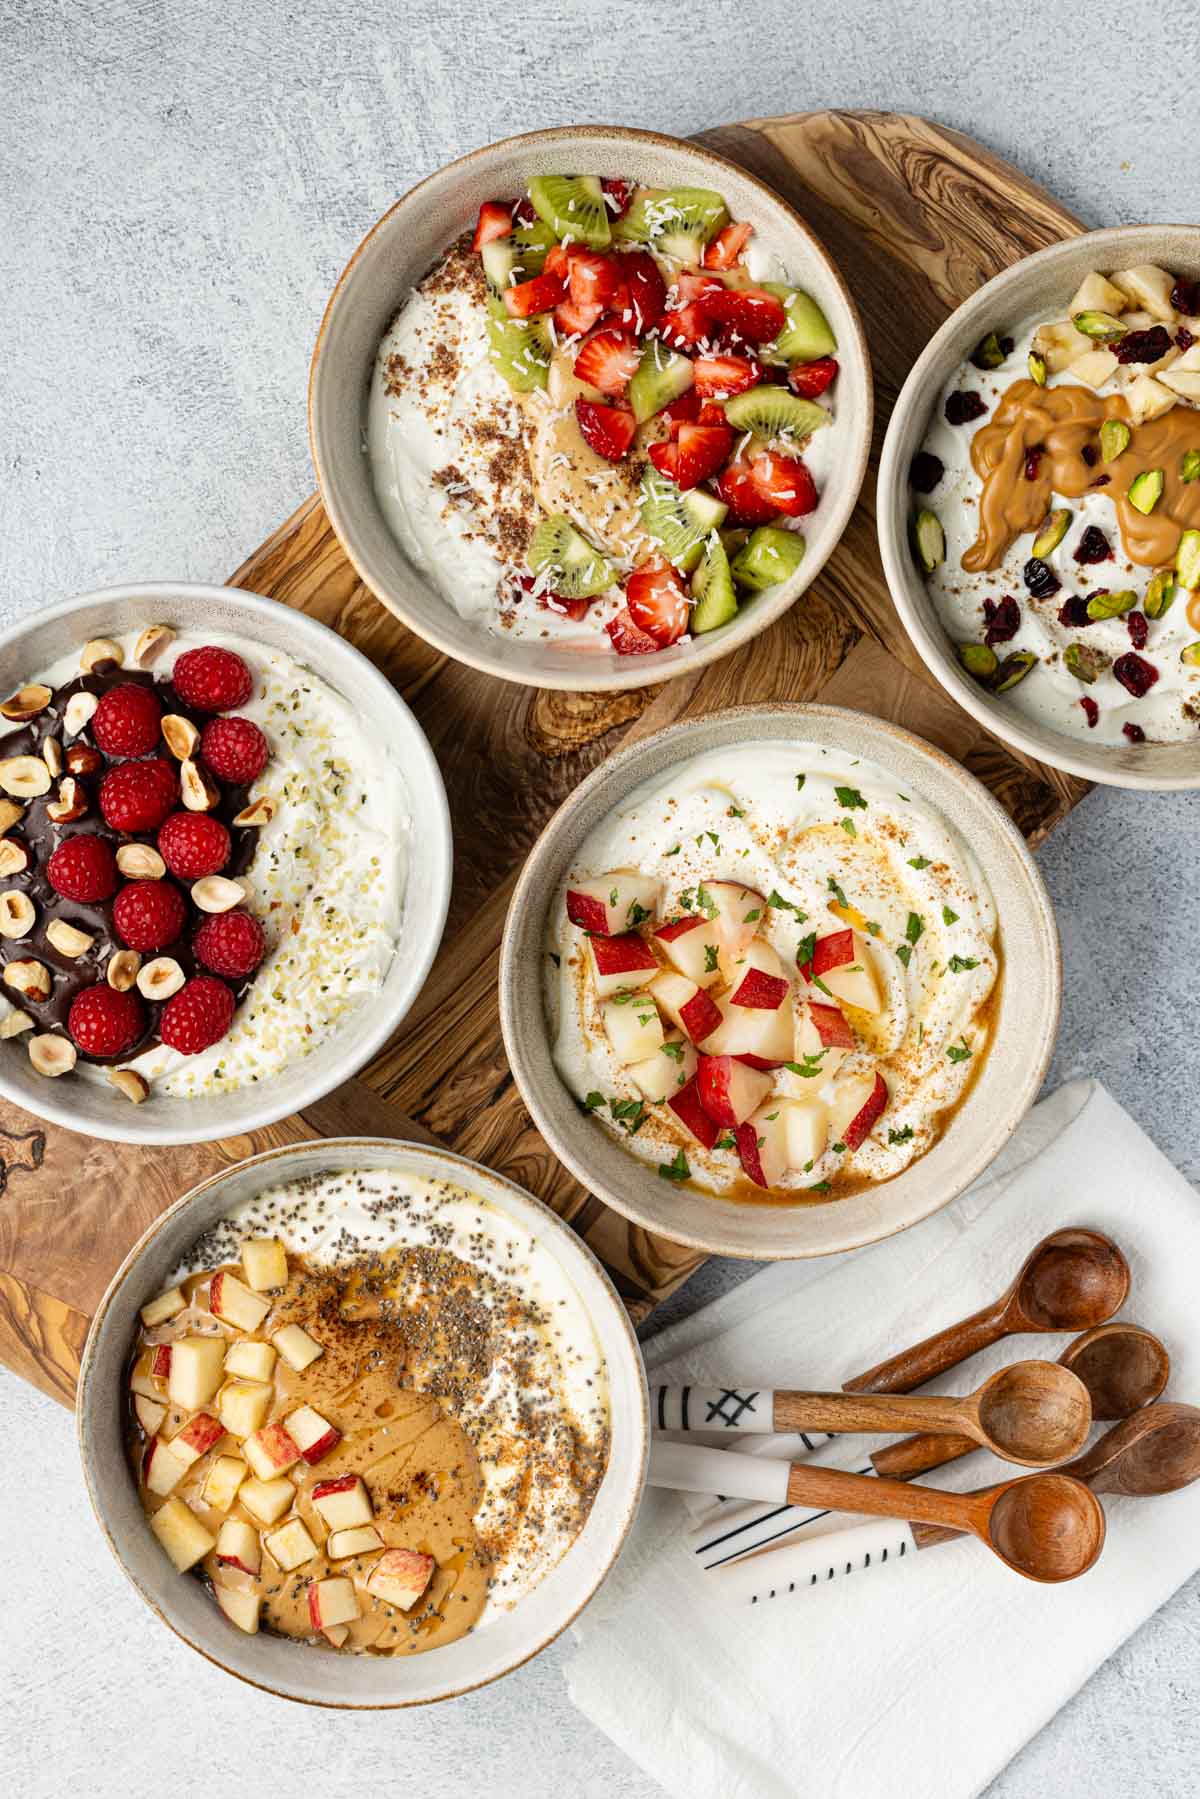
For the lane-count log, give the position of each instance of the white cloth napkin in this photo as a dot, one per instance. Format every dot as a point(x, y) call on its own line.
point(925, 1677)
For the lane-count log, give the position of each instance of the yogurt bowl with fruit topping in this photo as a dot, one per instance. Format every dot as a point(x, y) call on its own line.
point(1039, 506)
point(759, 981)
point(618, 408)
point(212, 809)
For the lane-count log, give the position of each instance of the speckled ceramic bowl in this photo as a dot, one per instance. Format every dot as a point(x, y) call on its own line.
point(1026, 1020)
point(1042, 283)
point(295, 1670)
point(401, 249)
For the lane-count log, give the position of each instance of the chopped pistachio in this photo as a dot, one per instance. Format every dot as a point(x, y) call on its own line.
point(1052, 532)
point(1014, 668)
point(1114, 439)
point(978, 660)
point(990, 353)
point(1160, 593)
point(1145, 490)
point(1191, 655)
point(929, 540)
point(1189, 468)
point(1085, 663)
point(1101, 327)
point(1037, 368)
point(1187, 560)
point(1112, 604)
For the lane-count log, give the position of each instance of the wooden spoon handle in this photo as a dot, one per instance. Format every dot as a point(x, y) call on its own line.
point(917, 1455)
point(879, 1498)
point(842, 1412)
point(926, 1360)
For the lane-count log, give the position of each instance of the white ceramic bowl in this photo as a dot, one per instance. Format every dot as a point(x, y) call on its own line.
point(1041, 284)
point(401, 249)
point(1026, 1019)
point(293, 1670)
point(98, 1109)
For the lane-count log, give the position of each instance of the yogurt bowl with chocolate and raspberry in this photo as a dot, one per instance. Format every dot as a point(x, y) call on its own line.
point(205, 851)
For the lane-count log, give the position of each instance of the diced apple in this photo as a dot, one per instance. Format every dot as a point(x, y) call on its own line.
point(1148, 287)
point(162, 1469)
point(693, 946)
point(149, 1413)
point(739, 913)
point(197, 1437)
point(1058, 344)
point(271, 1451)
point(243, 1406)
point(290, 1545)
point(250, 1358)
point(864, 1120)
point(266, 1500)
point(400, 1577)
point(620, 963)
point(160, 1361)
point(686, 1005)
point(664, 1073)
point(856, 1105)
point(313, 1435)
point(181, 1534)
point(336, 1634)
point(223, 1480)
point(142, 1379)
point(332, 1602)
point(343, 1502)
point(806, 1124)
point(614, 902)
point(1184, 382)
point(296, 1347)
point(196, 1368)
point(687, 1107)
point(834, 950)
point(1190, 360)
point(852, 979)
point(762, 1145)
point(165, 1306)
point(757, 979)
point(823, 1038)
point(634, 1028)
point(264, 1263)
point(233, 1302)
point(757, 1037)
point(729, 1090)
point(1148, 399)
point(1095, 294)
point(240, 1607)
point(359, 1541)
point(1094, 368)
point(238, 1546)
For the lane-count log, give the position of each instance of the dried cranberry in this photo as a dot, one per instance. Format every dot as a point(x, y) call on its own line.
point(961, 408)
point(1093, 546)
point(1138, 626)
point(1033, 462)
point(1135, 675)
point(925, 471)
point(1040, 578)
point(1089, 454)
point(1185, 295)
point(1003, 620)
point(1007, 345)
point(1100, 481)
point(1134, 733)
point(1183, 338)
point(1090, 710)
point(1143, 346)
point(1074, 612)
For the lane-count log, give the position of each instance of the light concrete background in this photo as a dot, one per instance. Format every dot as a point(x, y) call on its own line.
point(180, 182)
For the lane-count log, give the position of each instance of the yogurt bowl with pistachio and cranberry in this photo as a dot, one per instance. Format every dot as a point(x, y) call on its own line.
point(204, 862)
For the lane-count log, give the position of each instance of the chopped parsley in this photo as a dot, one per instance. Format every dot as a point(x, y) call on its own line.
point(779, 904)
point(949, 917)
point(800, 780)
point(805, 949)
point(904, 1136)
point(839, 1149)
point(676, 1169)
point(674, 1050)
point(675, 851)
point(820, 1187)
point(915, 928)
point(734, 812)
point(712, 838)
point(847, 825)
point(612, 896)
point(637, 914)
point(593, 1100)
point(837, 893)
point(957, 1054)
point(810, 1069)
point(710, 958)
point(905, 953)
point(629, 1112)
point(728, 1141)
point(851, 798)
point(704, 898)
point(755, 912)
point(961, 964)
point(918, 862)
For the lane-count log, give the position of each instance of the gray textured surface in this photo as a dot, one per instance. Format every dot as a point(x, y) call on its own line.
point(180, 182)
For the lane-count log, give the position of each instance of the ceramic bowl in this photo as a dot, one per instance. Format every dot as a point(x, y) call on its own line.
point(293, 1670)
point(98, 1109)
point(1041, 284)
point(1026, 1019)
point(400, 250)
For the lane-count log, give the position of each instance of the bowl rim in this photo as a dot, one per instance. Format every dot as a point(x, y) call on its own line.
point(640, 1426)
point(360, 1045)
point(603, 678)
point(625, 1201)
point(1069, 756)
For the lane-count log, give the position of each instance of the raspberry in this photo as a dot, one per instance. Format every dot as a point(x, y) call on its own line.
point(127, 721)
point(926, 471)
point(230, 943)
point(193, 844)
point(235, 750)
point(104, 1022)
point(149, 915)
point(83, 869)
point(136, 796)
point(1136, 675)
point(212, 680)
point(961, 408)
point(197, 1016)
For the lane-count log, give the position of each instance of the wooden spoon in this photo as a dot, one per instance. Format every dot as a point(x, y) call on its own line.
point(1072, 1280)
point(1034, 1413)
point(1122, 1366)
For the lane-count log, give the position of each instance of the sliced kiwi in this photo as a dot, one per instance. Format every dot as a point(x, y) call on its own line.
point(680, 522)
point(517, 257)
point(573, 206)
point(771, 412)
point(576, 570)
point(660, 377)
point(770, 555)
point(807, 334)
point(659, 213)
point(712, 589)
point(519, 348)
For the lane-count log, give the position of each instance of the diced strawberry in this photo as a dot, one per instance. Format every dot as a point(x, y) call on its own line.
point(658, 601)
point(555, 602)
point(647, 290)
point(683, 411)
point(725, 375)
point(702, 451)
point(573, 320)
point(784, 482)
point(686, 326)
point(542, 294)
point(495, 220)
point(617, 195)
point(690, 286)
point(608, 429)
point(747, 505)
point(727, 246)
point(592, 277)
point(607, 361)
point(556, 262)
point(665, 457)
point(629, 639)
point(808, 379)
point(754, 315)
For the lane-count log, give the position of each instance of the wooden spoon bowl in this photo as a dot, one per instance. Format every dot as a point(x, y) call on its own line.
point(1047, 1527)
point(1156, 1451)
point(1035, 1413)
point(1072, 1280)
point(1122, 1366)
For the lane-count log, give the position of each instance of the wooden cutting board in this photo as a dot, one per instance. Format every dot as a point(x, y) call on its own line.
point(917, 217)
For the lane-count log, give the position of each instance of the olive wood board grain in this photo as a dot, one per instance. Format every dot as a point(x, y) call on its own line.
point(917, 217)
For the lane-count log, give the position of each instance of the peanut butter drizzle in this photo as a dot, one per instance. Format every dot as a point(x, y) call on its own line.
point(1060, 422)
